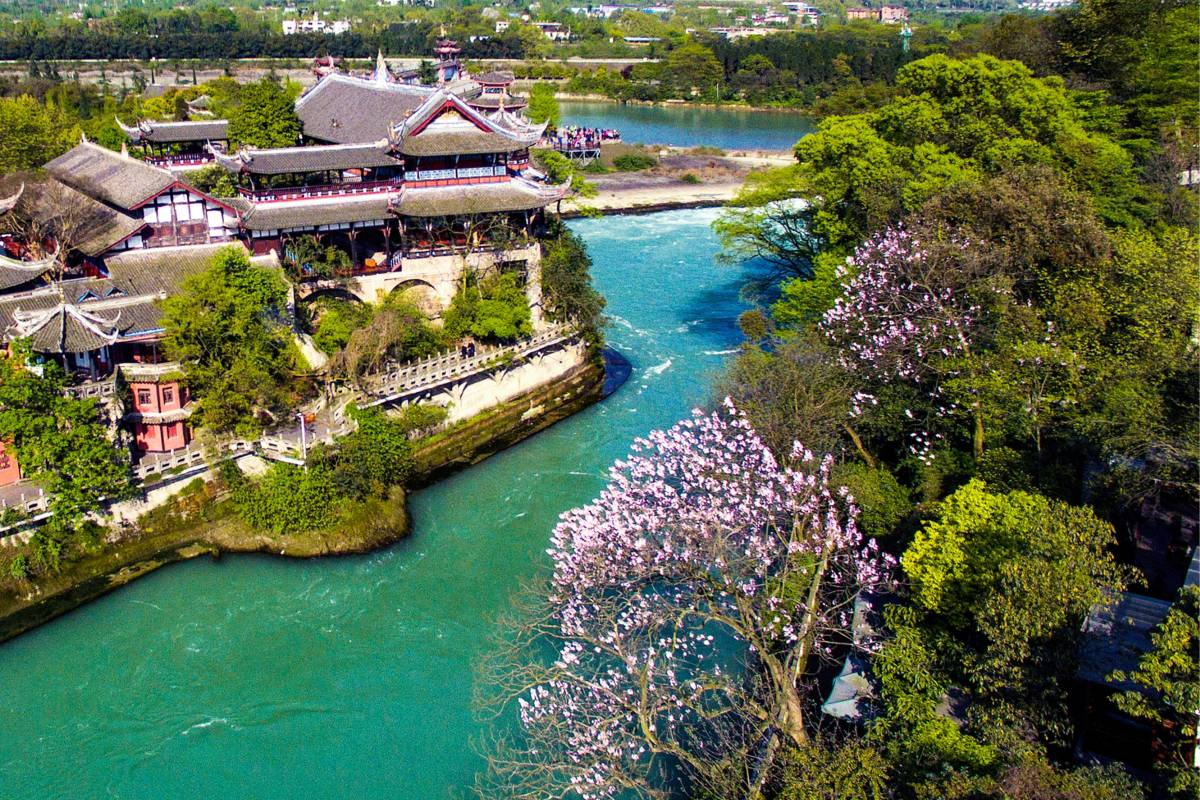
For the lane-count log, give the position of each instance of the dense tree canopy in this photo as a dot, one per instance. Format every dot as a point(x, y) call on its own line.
point(265, 117)
point(238, 358)
point(60, 442)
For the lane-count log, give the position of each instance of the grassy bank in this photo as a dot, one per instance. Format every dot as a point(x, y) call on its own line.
point(203, 521)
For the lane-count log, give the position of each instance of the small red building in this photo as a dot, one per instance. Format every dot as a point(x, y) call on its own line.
point(10, 470)
point(158, 407)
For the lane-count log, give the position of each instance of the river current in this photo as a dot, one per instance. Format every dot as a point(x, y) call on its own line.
point(254, 677)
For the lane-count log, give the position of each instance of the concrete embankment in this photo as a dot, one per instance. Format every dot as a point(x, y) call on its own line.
point(203, 522)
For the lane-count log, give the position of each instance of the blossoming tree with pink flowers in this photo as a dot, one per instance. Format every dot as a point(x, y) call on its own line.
point(689, 607)
point(901, 319)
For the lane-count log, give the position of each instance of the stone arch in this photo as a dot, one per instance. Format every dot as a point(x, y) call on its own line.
point(332, 293)
point(424, 294)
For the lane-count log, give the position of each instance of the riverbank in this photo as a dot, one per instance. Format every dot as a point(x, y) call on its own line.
point(683, 178)
point(203, 520)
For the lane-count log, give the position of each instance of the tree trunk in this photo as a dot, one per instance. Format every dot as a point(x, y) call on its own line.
point(862, 451)
point(977, 439)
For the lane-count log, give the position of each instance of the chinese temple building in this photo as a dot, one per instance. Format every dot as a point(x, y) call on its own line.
point(416, 184)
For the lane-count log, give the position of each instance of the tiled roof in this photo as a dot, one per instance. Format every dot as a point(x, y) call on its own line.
point(344, 110)
point(497, 77)
point(1116, 634)
point(160, 269)
point(14, 272)
point(210, 130)
point(491, 102)
point(311, 213)
point(446, 124)
point(513, 195)
point(123, 306)
point(283, 160)
point(97, 226)
point(116, 179)
point(64, 328)
point(10, 202)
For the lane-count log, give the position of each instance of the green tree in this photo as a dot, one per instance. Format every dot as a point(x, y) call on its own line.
point(213, 180)
point(567, 290)
point(31, 134)
point(543, 105)
point(266, 117)
point(1014, 575)
point(693, 70)
point(1167, 690)
point(953, 123)
point(238, 357)
point(60, 442)
point(494, 309)
point(396, 331)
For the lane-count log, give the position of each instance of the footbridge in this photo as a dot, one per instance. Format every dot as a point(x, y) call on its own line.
point(434, 375)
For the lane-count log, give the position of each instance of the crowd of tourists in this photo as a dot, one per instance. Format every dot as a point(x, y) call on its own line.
point(573, 137)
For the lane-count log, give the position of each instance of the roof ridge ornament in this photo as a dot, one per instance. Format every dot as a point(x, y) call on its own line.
point(382, 73)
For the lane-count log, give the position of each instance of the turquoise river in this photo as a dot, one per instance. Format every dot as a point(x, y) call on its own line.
point(257, 677)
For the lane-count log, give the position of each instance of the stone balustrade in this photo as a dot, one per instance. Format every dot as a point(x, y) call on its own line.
point(419, 376)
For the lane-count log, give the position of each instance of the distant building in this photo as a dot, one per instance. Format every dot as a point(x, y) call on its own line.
point(502, 25)
point(770, 19)
point(315, 25)
point(740, 32)
point(889, 15)
point(554, 31)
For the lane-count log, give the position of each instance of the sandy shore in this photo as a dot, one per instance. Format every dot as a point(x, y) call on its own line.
point(714, 180)
point(669, 194)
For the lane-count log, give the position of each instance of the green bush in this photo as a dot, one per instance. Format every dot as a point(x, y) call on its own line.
point(337, 320)
point(883, 502)
point(633, 162)
point(289, 499)
point(494, 309)
point(690, 177)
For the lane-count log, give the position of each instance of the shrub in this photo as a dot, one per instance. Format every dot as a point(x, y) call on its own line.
point(633, 162)
point(883, 501)
point(690, 177)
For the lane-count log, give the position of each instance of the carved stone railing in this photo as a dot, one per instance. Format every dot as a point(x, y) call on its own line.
point(419, 376)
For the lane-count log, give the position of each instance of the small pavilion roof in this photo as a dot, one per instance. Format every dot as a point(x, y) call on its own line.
point(492, 102)
point(343, 109)
point(209, 130)
point(114, 178)
point(317, 158)
point(497, 77)
point(64, 328)
point(517, 194)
